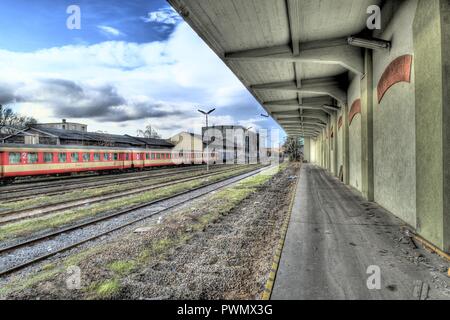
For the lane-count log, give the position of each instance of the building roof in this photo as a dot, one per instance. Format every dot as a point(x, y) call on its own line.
point(55, 123)
point(89, 136)
point(101, 137)
point(153, 141)
point(195, 135)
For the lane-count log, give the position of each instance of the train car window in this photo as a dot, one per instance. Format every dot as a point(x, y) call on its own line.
point(116, 156)
point(32, 157)
point(62, 157)
point(147, 156)
point(158, 156)
point(14, 157)
point(48, 157)
point(127, 156)
point(96, 156)
point(153, 156)
point(105, 157)
point(86, 157)
point(75, 157)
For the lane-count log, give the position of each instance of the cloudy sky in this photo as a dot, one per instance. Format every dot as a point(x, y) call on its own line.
point(132, 63)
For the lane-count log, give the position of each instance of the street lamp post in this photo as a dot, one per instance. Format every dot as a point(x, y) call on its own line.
point(207, 140)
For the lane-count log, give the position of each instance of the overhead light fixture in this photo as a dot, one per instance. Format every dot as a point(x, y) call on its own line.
point(374, 44)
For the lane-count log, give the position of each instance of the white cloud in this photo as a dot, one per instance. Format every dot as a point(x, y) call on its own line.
point(110, 31)
point(166, 15)
point(139, 79)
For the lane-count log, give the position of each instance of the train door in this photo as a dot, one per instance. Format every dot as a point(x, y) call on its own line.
point(121, 160)
point(2, 161)
point(138, 159)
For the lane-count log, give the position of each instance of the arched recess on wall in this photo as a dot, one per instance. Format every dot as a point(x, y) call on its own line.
point(354, 110)
point(399, 70)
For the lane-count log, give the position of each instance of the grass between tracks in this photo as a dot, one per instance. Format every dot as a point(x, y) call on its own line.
point(52, 221)
point(176, 230)
point(80, 193)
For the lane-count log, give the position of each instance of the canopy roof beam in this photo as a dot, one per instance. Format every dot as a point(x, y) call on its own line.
point(322, 86)
point(331, 51)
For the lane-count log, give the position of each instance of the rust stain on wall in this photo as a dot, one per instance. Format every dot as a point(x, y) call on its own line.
point(340, 122)
point(398, 70)
point(354, 110)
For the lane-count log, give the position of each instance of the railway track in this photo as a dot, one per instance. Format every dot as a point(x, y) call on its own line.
point(13, 216)
point(86, 175)
point(47, 240)
point(63, 188)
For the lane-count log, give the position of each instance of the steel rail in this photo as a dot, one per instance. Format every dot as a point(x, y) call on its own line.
point(11, 216)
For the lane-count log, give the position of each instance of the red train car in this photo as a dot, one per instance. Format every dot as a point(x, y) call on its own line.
point(18, 160)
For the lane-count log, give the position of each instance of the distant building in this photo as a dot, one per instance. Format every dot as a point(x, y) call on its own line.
point(63, 125)
point(234, 144)
point(186, 141)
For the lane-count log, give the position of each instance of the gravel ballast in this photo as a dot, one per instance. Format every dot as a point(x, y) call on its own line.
point(218, 247)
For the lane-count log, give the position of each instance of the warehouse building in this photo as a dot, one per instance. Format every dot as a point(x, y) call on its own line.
point(235, 144)
point(55, 136)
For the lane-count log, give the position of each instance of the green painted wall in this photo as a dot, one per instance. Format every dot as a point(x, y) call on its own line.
point(340, 142)
point(431, 44)
point(445, 24)
point(354, 131)
point(394, 123)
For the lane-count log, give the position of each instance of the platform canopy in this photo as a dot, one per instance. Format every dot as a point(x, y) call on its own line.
point(293, 55)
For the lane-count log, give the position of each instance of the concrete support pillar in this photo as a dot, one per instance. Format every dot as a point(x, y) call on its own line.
point(335, 145)
point(329, 150)
point(322, 150)
point(330, 169)
point(319, 150)
point(327, 139)
point(345, 145)
point(307, 149)
point(431, 30)
point(367, 127)
point(325, 149)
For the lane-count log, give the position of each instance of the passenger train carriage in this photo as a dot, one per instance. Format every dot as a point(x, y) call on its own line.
point(18, 160)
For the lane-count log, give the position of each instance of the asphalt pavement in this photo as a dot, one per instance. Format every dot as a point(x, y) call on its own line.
point(339, 246)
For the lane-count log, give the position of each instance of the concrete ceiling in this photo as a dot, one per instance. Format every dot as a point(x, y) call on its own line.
point(291, 54)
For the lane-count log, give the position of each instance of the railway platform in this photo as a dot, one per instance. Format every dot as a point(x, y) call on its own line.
point(339, 246)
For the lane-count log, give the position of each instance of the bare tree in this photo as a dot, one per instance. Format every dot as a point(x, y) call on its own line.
point(11, 121)
point(293, 147)
point(149, 132)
